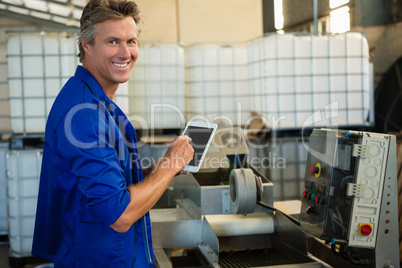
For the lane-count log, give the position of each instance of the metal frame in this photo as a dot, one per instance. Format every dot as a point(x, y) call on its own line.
point(184, 226)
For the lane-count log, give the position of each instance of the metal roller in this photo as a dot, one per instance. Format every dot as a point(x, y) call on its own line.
point(238, 225)
point(243, 191)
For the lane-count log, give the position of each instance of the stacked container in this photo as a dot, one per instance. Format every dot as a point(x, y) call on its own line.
point(5, 126)
point(217, 83)
point(293, 81)
point(156, 87)
point(23, 183)
point(39, 64)
point(3, 189)
point(310, 81)
point(283, 161)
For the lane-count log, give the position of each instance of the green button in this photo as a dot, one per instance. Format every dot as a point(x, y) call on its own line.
point(313, 197)
point(321, 200)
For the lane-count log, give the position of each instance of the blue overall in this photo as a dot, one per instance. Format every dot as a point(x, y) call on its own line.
point(90, 157)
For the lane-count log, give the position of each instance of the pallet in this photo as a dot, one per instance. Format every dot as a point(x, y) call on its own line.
point(4, 239)
point(26, 142)
point(21, 262)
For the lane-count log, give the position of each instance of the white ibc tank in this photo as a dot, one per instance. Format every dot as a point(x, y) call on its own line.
point(217, 83)
point(122, 98)
point(311, 81)
point(3, 189)
point(23, 183)
point(39, 64)
point(5, 125)
point(156, 87)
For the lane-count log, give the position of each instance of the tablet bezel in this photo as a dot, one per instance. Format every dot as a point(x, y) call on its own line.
point(214, 126)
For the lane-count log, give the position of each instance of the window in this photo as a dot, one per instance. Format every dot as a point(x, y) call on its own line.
point(339, 17)
point(337, 3)
point(278, 11)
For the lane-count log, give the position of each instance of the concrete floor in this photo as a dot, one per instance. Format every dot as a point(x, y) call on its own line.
point(4, 259)
point(4, 256)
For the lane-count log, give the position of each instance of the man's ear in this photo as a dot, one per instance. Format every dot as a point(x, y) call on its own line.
point(84, 44)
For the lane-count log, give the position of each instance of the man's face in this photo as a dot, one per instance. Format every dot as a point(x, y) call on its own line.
point(114, 52)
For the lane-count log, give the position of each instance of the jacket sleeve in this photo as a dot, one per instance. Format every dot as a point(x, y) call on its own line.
point(87, 142)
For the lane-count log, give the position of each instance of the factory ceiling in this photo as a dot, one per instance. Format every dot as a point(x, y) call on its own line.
point(64, 12)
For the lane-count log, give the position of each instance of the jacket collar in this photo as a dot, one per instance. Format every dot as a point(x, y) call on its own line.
point(93, 85)
point(97, 90)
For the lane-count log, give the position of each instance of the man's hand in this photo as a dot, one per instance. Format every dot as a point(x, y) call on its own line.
point(143, 196)
point(179, 154)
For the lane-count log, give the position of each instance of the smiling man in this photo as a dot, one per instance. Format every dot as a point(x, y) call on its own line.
point(94, 196)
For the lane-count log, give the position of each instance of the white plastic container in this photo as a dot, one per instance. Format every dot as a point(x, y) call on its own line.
point(22, 207)
point(5, 125)
point(3, 162)
point(3, 210)
point(3, 188)
point(283, 161)
point(20, 246)
point(122, 98)
point(23, 183)
point(217, 83)
point(156, 87)
point(288, 178)
point(310, 81)
point(22, 227)
point(39, 64)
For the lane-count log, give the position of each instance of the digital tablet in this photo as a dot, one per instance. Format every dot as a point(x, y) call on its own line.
point(201, 135)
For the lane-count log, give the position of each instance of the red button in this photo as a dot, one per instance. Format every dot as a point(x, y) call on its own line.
point(365, 229)
point(313, 169)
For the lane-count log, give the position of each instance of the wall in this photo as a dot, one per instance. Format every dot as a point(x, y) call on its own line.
point(385, 47)
point(160, 20)
point(371, 13)
point(302, 11)
point(268, 9)
point(220, 21)
point(384, 40)
point(195, 21)
point(9, 23)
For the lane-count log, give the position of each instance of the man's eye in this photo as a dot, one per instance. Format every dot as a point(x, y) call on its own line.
point(113, 42)
point(132, 42)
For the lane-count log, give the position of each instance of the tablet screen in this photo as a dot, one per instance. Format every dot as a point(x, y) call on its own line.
point(200, 137)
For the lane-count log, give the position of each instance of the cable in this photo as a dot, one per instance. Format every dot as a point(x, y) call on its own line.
point(346, 253)
point(333, 249)
point(355, 259)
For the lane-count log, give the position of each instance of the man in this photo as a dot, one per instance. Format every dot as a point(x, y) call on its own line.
point(93, 202)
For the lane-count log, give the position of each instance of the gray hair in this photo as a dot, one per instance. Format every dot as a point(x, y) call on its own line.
point(97, 11)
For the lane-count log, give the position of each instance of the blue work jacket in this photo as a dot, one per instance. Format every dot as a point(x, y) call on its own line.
point(90, 156)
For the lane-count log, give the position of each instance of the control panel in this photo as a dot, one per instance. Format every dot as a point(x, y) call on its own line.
point(372, 155)
point(330, 167)
point(350, 195)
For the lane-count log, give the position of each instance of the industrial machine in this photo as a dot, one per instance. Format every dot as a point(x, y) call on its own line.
point(223, 216)
point(351, 198)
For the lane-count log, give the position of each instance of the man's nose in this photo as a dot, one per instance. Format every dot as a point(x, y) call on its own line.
point(124, 52)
